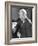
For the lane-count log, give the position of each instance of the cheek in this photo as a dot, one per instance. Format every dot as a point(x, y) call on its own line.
point(21, 13)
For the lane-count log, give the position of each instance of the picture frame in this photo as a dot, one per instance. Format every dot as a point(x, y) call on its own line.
point(8, 25)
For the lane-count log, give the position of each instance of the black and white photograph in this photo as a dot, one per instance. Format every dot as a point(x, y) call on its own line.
point(21, 21)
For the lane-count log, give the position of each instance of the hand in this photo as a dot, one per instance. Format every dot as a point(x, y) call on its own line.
point(25, 15)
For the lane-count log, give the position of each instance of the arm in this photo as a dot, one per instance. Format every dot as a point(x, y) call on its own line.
point(29, 20)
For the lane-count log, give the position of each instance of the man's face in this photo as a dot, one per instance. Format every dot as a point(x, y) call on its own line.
point(21, 15)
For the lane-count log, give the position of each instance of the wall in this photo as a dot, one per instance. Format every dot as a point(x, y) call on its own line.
point(2, 21)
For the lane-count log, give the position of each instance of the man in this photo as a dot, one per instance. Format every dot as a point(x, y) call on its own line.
point(24, 25)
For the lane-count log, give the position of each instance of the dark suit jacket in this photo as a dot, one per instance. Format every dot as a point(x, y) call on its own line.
point(24, 28)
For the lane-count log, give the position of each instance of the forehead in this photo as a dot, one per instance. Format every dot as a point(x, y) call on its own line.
point(23, 11)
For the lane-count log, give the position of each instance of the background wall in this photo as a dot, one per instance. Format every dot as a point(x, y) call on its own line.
point(2, 21)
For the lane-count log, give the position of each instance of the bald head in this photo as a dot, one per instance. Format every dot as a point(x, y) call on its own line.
point(23, 10)
point(22, 14)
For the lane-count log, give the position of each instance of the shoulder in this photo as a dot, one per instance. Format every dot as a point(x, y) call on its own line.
point(18, 20)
